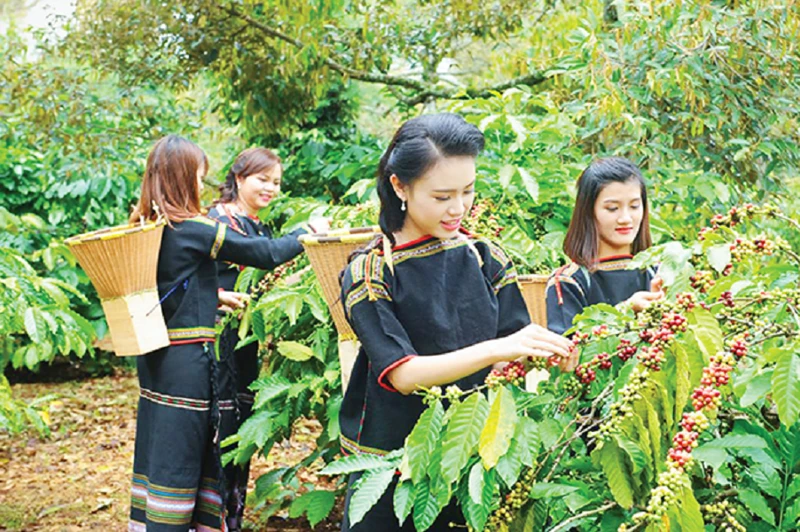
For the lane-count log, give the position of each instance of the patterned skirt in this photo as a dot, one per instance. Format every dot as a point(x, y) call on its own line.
point(177, 479)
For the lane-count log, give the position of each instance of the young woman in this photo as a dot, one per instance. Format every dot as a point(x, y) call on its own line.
point(253, 181)
point(609, 225)
point(176, 468)
point(430, 304)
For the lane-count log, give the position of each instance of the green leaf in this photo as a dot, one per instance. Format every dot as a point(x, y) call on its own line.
point(786, 386)
point(422, 440)
point(496, 435)
point(546, 490)
point(757, 388)
point(634, 452)
point(689, 511)
point(35, 325)
point(462, 435)
point(682, 379)
point(612, 461)
point(426, 507)
point(370, 488)
point(791, 515)
point(268, 389)
point(357, 462)
point(403, 501)
point(530, 183)
point(767, 479)
point(706, 331)
point(719, 256)
point(475, 483)
point(757, 504)
point(315, 504)
point(295, 351)
point(257, 429)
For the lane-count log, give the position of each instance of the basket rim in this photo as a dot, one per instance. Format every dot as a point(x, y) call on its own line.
point(117, 231)
point(534, 277)
point(345, 235)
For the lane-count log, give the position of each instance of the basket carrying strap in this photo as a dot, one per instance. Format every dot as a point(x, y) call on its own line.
point(185, 284)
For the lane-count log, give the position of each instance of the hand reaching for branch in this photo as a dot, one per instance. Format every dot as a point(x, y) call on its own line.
point(230, 301)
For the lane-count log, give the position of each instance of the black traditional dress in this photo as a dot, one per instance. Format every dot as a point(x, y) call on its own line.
point(239, 368)
point(443, 295)
point(572, 288)
point(176, 466)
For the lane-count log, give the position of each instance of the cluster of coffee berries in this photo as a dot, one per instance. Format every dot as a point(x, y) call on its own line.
point(686, 301)
point(585, 374)
point(670, 483)
point(738, 344)
point(482, 220)
point(626, 350)
point(726, 298)
point(621, 409)
point(761, 245)
point(674, 322)
point(702, 281)
point(706, 398)
point(716, 375)
point(512, 373)
point(722, 514)
point(512, 502)
point(272, 278)
point(694, 422)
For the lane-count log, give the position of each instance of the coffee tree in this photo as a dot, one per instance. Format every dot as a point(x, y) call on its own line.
point(682, 416)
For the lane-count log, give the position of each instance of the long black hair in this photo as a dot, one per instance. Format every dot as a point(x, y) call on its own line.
point(581, 243)
point(417, 146)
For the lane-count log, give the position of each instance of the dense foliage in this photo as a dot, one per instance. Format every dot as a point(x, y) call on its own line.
point(702, 95)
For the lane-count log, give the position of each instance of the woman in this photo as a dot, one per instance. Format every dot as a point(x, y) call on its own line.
point(430, 304)
point(252, 182)
point(609, 225)
point(176, 467)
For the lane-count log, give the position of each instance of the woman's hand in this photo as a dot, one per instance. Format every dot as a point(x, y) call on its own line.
point(641, 300)
point(534, 341)
point(320, 225)
point(230, 301)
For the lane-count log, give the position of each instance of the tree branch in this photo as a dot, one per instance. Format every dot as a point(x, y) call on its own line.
point(424, 92)
point(563, 524)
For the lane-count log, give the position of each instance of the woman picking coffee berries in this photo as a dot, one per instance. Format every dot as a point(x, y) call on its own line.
point(609, 225)
point(252, 182)
point(431, 304)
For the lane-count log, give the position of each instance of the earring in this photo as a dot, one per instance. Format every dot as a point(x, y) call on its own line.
point(403, 206)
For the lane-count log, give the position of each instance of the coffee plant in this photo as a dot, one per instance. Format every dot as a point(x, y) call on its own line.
point(681, 417)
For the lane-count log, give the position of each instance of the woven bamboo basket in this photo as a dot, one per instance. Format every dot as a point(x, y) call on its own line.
point(328, 254)
point(533, 288)
point(121, 263)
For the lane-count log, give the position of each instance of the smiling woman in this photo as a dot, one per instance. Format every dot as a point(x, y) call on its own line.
point(609, 225)
point(431, 304)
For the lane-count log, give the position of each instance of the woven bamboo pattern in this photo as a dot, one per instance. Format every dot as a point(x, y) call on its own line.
point(120, 260)
point(122, 263)
point(534, 288)
point(328, 254)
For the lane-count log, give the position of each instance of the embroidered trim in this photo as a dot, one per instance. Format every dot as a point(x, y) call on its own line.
point(564, 275)
point(191, 333)
point(383, 381)
point(428, 249)
point(209, 499)
point(363, 292)
point(199, 405)
point(203, 220)
point(162, 504)
point(218, 240)
point(350, 447)
point(614, 264)
point(508, 278)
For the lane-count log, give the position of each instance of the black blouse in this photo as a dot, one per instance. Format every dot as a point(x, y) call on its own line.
point(444, 295)
point(572, 288)
point(187, 272)
point(228, 271)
